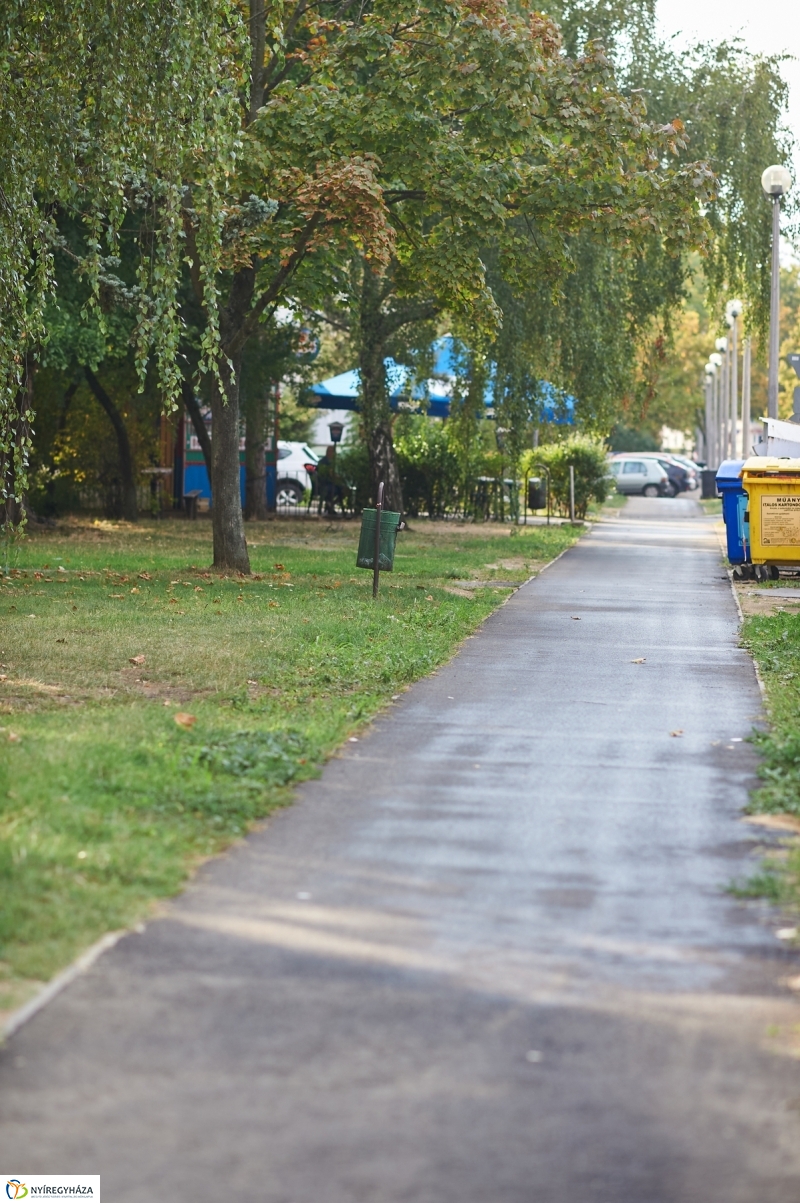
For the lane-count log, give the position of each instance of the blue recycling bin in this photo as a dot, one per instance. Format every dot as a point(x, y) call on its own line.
point(734, 506)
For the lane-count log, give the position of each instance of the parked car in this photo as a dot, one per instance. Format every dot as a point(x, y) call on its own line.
point(638, 474)
point(296, 462)
point(680, 478)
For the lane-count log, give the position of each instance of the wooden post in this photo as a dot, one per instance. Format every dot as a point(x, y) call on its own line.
point(376, 565)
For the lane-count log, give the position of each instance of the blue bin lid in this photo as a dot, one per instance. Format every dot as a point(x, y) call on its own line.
point(729, 474)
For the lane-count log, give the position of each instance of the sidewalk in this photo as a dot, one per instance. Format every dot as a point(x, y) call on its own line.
point(488, 957)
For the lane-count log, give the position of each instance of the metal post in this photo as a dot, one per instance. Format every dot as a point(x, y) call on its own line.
point(734, 405)
point(709, 418)
point(571, 493)
point(746, 400)
point(774, 311)
point(724, 404)
point(717, 383)
point(376, 565)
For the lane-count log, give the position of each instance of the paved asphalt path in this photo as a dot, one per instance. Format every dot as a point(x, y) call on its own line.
point(488, 958)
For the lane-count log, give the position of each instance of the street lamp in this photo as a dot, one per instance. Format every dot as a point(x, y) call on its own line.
point(716, 390)
point(732, 313)
point(711, 370)
point(336, 431)
point(776, 182)
point(709, 472)
point(722, 396)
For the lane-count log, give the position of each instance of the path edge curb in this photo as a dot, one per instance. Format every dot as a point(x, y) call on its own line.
point(63, 979)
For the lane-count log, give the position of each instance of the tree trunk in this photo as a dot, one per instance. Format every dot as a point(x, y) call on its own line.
point(377, 416)
point(201, 430)
point(230, 546)
point(62, 425)
point(255, 458)
point(15, 459)
point(130, 504)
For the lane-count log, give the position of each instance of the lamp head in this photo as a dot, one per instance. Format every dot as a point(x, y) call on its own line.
point(776, 181)
point(716, 360)
point(721, 344)
point(337, 430)
point(710, 370)
point(733, 309)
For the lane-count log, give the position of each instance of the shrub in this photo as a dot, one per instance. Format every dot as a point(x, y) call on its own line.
point(352, 467)
point(588, 457)
point(428, 466)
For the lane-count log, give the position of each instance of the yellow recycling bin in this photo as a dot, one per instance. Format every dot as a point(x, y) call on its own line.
point(773, 489)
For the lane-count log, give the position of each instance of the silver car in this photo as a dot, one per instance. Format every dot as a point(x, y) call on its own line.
point(638, 474)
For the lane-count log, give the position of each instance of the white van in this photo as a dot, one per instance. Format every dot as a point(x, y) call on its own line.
point(635, 474)
point(294, 461)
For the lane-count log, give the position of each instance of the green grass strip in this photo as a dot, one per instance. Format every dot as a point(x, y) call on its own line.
point(774, 642)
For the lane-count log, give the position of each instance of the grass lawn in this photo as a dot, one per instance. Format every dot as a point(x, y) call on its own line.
point(150, 712)
point(774, 641)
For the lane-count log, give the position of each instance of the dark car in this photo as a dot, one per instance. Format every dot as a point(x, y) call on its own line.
point(678, 477)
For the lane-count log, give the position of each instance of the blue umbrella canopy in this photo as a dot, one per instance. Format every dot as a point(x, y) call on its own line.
point(433, 395)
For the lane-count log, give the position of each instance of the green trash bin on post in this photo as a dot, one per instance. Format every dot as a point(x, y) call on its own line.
point(390, 525)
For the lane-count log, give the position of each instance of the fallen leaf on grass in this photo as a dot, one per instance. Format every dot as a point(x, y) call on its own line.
point(136, 659)
point(135, 590)
point(116, 596)
point(60, 569)
point(185, 720)
point(13, 738)
point(641, 660)
point(676, 733)
point(144, 576)
point(274, 605)
point(61, 641)
point(279, 567)
point(428, 597)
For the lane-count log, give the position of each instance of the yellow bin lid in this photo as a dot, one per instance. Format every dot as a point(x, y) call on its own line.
point(769, 465)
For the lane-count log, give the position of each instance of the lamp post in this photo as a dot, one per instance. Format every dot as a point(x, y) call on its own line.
point(723, 406)
point(709, 371)
point(776, 182)
point(746, 400)
point(336, 431)
point(733, 312)
point(716, 360)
